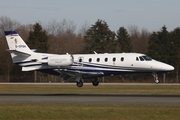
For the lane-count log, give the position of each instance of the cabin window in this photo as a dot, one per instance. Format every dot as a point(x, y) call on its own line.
point(137, 59)
point(80, 60)
point(98, 59)
point(90, 59)
point(114, 59)
point(122, 58)
point(106, 59)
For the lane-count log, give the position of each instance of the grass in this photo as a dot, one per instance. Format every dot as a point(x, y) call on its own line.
point(91, 112)
point(88, 89)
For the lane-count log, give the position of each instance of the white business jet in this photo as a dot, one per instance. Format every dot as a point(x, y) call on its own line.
point(81, 66)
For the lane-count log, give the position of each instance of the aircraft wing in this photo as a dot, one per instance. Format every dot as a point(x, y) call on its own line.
point(75, 73)
point(66, 74)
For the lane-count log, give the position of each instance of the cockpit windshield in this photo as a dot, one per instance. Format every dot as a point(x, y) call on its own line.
point(147, 58)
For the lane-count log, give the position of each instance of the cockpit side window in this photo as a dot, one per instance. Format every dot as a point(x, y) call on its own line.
point(141, 58)
point(147, 58)
point(137, 59)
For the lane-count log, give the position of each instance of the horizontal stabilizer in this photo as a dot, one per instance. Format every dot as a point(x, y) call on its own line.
point(34, 50)
point(19, 53)
point(29, 68)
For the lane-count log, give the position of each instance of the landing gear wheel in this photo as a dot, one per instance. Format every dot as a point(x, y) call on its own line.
point(155, 77)
point(79, 84)
point(95, 82)
point(156, 81)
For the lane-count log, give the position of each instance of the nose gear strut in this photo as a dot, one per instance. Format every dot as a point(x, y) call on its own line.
point(155, 77)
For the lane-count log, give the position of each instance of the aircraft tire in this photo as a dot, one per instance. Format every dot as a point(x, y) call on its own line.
point(95, 82)
point(156, 81)
point(79, 84)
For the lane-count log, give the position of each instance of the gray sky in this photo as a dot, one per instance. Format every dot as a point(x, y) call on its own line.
point(148, 14)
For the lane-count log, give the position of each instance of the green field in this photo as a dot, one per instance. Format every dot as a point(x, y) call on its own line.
point(91, 112)
point(88, 89)
point(87, 112)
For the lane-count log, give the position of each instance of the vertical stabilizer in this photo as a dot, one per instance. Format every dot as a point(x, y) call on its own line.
point(17, 47)
point(16, 43)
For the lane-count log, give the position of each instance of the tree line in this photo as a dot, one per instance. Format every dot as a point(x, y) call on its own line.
point(62, 37)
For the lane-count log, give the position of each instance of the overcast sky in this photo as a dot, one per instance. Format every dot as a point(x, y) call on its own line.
point(145, 14)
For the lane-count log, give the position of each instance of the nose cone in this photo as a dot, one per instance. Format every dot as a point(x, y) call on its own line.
point(168, 67)
point(163, 66)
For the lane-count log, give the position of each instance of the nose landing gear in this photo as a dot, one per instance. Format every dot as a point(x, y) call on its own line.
point(155, 77)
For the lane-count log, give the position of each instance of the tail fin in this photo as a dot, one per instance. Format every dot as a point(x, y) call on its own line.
point(17, 47)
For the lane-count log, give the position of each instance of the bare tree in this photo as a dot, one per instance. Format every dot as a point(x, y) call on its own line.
point(52, 27)
point(7, 23)
point(144, 38)
point(60, 28)
point(139, 39)
point(83, 29)
point(62, 37)
point(5, 62)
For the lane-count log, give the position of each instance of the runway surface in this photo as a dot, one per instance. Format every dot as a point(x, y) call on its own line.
point(91, 99)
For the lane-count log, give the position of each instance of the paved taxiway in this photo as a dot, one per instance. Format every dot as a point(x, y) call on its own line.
point(91, 99)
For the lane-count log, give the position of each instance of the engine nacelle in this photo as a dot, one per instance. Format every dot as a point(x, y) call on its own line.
point(61, 60)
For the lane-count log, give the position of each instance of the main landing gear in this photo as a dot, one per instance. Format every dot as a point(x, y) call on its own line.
point(80, 82)
point(155, 77)
point(95, 82)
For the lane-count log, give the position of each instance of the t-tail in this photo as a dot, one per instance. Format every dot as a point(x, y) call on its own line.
point(17, 47)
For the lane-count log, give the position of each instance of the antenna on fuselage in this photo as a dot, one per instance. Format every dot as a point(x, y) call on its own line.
point(95, 52)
